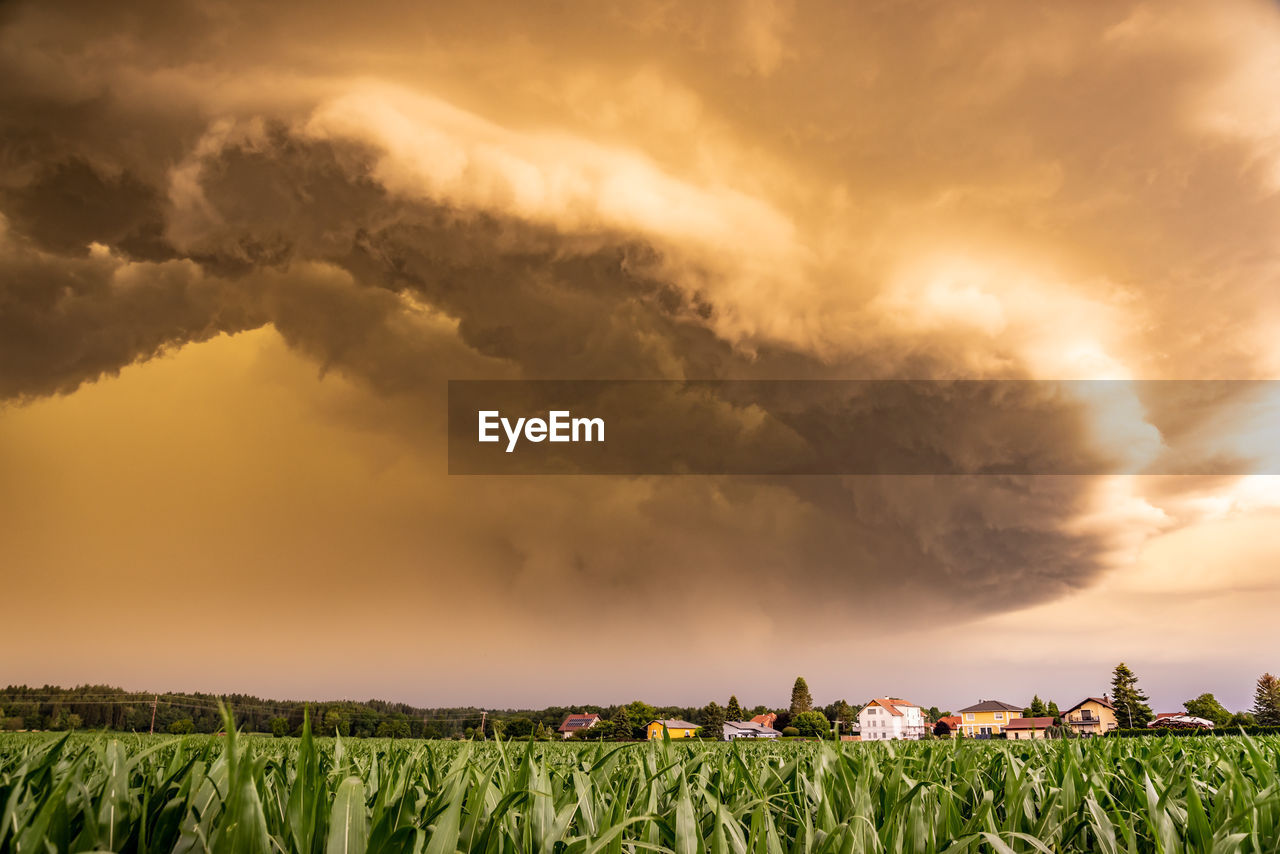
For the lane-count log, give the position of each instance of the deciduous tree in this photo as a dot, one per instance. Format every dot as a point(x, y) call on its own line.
point(1207, 706)
point(812, 724)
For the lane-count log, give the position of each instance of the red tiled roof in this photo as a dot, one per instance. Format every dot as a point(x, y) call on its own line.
point(1030, 723)
point(952, 721)
point(766, 719)
point(891, 704)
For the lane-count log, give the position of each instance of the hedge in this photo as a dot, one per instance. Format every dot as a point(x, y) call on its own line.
point(1247, 730)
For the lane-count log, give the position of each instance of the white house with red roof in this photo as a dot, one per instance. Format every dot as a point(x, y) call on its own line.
point(888, 718)
point(578, 723)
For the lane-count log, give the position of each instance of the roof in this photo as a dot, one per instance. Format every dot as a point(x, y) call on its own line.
point(577, 722)
point(766, 719)
point(1030, 723)
point(752, 726)
point(1184, 721)
point(1102, 701)
point(891, 705)
point(952, 721)
point(991, 706)
point(675, 724)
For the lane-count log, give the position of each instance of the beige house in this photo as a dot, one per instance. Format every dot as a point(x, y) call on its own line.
point(1026, 729)
point(1091, 716)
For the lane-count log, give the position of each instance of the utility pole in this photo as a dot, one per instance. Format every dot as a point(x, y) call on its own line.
point(483, 714)
point(154, 701)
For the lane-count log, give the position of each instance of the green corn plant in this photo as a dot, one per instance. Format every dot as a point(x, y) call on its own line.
point(236, 792)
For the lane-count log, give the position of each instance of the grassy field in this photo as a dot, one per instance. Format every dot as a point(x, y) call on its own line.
point(87, 792)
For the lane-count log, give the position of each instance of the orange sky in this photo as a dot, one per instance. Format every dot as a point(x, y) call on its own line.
point(242, 250)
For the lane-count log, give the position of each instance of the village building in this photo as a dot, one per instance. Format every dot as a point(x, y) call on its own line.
point(577, 723)
point(987, 718)
point(888, 718)
point(677, 729)
point(1179, 720)
point(1091, 716)
point(1026, 729)
point(747, 729)
point(947, 727)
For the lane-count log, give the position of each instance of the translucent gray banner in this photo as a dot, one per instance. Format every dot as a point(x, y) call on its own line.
point(864, 427)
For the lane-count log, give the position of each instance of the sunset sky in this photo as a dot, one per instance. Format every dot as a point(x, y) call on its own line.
point(244, 246)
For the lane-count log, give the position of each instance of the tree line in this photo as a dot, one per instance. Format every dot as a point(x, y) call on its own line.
point(51, 707)
point(1133, 707)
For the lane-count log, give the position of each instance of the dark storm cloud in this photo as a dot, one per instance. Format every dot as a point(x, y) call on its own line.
point(65, 320)
point(528, 301)
point(219, 211)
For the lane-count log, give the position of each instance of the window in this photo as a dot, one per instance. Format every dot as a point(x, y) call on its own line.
point(999, 716)
point(969, 716)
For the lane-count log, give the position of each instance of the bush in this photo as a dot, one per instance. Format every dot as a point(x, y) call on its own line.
point(790, 731)
point(1194, 733)
point(812, 725)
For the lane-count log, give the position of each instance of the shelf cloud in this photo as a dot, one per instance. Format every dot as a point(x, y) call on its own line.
point(362, 204)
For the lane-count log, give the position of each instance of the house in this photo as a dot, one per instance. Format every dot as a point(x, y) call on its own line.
point(987, 718)
point(888, 718)
point(577, 723)
point(677, 729)
point(947, 726)
point(1024, 729)
point(1179, 720)
point(748, 729)
point(1091, 716)
point(766, 719)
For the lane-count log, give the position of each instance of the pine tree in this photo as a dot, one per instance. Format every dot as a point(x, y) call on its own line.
point(622, 726)
point(734, 711)
point(1036, 709)
point(801, 699)
point(1130, 703)
point(1266, 701)
point(712, 720)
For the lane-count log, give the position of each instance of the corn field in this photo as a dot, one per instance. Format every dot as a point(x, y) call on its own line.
point(106, 792)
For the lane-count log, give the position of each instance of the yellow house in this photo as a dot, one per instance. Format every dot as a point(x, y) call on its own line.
point(678, 729)
point(1091, 716)
point(987, 718)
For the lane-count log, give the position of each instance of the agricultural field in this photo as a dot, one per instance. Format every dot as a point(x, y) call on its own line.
point(99, 792)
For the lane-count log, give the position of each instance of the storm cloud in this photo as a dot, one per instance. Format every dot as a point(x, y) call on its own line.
point(751, 191)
